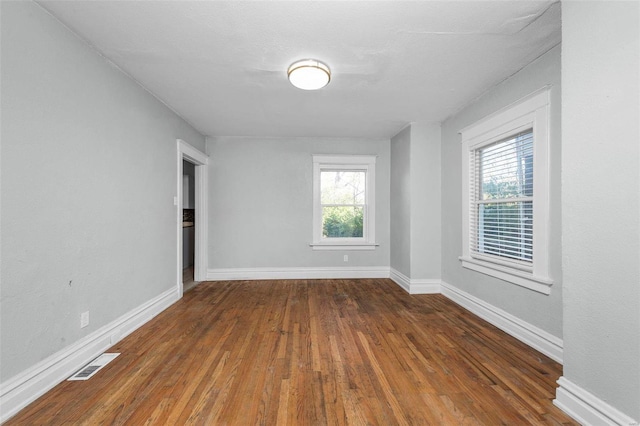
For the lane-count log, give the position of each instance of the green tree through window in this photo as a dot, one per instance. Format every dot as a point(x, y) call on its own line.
point(343, 201)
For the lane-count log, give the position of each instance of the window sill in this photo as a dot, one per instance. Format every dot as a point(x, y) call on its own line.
point(343, 246)
point(515, 276)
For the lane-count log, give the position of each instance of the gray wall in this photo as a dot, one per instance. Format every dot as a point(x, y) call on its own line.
point(401, 202)
point(415, 201)
point(88, 180)
point(540, 310)
point(600, 200)
point(425, 200)
point(260, 202)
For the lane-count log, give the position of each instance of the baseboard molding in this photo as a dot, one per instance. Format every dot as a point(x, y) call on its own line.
point(587, 408)
point(230, 274)
point(401, 279)
point(19, 391)
point(533, 336)
point(413, 286)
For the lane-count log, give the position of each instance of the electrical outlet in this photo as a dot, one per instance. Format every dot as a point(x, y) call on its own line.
point(346, 257)
point(84, 319)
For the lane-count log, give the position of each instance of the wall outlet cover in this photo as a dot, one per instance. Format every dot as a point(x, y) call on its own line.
point(84, 319)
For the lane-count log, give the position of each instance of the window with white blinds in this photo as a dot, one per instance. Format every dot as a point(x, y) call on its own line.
point(505, 194)
point(501, 213)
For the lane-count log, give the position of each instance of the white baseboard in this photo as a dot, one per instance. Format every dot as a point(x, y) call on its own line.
point(587, 408)
point(401, 279)
point(413, 286)
point(19, 391)
point(533, 336)
point(229, 274)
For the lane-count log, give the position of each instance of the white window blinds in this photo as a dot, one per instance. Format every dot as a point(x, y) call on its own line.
point(501, 200)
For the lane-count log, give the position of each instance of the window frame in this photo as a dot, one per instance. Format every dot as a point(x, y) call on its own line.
point(359, 163)
point(531, 112)
point(477, 199)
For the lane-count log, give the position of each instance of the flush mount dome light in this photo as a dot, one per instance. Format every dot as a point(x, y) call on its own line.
point(309, 74)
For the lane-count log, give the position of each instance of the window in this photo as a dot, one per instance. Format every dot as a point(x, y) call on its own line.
point(502, 211)
point(505, 194)
point(344, 202)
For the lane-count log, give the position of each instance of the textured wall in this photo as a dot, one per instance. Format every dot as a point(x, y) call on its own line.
point(600, 200)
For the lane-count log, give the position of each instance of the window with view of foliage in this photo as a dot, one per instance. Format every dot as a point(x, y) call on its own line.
point(502, 217)
point(505, 187)
point(344, 200)
point(342, 195)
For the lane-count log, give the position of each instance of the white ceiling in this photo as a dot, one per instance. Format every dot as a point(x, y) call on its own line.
point(221, 65)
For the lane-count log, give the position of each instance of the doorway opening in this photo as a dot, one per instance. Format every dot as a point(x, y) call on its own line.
point(191, 203)
point(188, 224)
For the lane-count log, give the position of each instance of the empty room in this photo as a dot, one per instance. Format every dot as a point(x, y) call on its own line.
point(320, 212)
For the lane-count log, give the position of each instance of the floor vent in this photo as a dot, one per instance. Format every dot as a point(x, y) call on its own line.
point(93, 367)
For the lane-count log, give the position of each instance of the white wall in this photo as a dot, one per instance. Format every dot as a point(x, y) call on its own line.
point(88, 180)
point(600, 200)
point(260, 202)
point(542, 311)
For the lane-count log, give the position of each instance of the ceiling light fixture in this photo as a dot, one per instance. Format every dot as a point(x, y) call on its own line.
point(309, 74)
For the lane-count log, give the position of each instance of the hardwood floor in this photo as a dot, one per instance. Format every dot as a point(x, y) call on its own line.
point(311, 352)
point(188, 281)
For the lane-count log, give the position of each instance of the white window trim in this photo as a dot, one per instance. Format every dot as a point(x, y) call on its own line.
point(366, 163)
point(530, 112)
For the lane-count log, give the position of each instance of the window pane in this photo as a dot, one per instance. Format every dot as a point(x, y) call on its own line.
point(342, 187)
point(506, 230)
point(342, 222)
point(506, 168)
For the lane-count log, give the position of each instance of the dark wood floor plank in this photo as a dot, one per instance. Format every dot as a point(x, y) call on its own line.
point(316, 352)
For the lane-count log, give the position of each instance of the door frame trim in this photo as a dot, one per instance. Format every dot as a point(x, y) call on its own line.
point(201, 161)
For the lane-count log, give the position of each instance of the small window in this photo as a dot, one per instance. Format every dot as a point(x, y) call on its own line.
point(342, 196)
point(344, 202)
point(505, 194)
